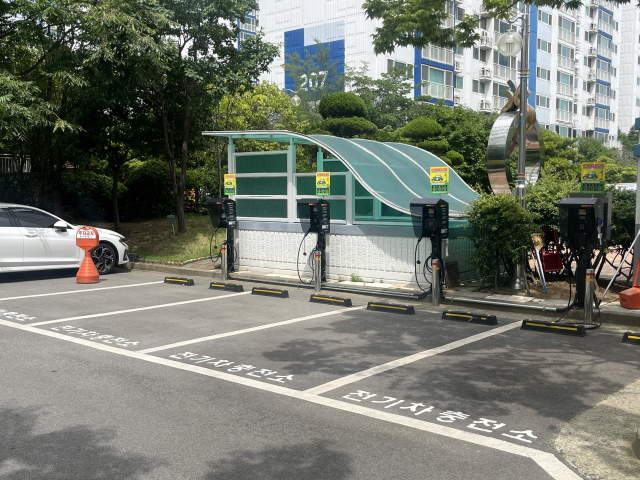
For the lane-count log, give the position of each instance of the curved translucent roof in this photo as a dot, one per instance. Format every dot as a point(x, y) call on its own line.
point(394, 173)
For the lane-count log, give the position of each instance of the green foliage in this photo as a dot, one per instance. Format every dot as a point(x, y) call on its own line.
point(422, 128)
point(544, 197)
point(437, 147)
point(453, 158)
point(561, 156)
point(87, 195)
point(623, 218)
point(342, 104)
point(148, 190)
point(591, 148)
point(355, 278)
point(501, 231)
point(349, 127)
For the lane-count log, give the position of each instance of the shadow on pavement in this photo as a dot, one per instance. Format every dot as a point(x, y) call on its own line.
point(309, 461)
point(28, 452)
point(11, 277)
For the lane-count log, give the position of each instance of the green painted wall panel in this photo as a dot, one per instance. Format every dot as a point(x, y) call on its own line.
point(387, 211)
point(334, 166)
point(360, 191)
point(261, 186)
point(364, 208)
point(248, 207)
point(307, 185)
point(338, 209)
point(262, 163)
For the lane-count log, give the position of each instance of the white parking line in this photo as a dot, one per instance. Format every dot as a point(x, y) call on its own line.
point(248, 330)
point(139, 309)
point(547, 461)
point(340, 382)
point(80, 291)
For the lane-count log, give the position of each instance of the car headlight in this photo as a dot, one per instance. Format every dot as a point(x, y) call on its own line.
point(121, 240)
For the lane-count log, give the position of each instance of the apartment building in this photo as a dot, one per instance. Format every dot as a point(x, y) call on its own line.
point(574, 58)
point(629, 87)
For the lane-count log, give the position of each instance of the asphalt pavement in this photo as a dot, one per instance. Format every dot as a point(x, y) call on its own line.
point(133, 378)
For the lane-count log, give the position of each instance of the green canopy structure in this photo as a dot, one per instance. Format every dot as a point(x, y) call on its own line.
point(394, 173)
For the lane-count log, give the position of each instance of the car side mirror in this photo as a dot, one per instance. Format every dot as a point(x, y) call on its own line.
point(61, 226)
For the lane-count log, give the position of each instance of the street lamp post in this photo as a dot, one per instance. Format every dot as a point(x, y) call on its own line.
point(509, 44)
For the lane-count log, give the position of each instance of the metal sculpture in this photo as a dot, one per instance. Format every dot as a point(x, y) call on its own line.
point(503, 142)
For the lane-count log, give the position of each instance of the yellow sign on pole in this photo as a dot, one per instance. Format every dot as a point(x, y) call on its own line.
point(323, 183)
point(229, 184)
point(439, 178)
point(592, 177)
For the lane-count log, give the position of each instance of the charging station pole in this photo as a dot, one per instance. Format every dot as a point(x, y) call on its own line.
point(435, 282)
point(636, 153)
point(224, 266)
point(318, 271)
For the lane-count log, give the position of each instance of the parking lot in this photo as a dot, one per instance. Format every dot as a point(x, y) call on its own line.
point(135, 378)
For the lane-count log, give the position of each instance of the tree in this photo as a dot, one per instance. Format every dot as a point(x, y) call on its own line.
point(419, 23)
point(342, 104)
point(202, 66)
point(349, 126)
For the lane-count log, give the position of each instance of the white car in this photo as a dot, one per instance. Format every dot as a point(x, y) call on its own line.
point(32, 239)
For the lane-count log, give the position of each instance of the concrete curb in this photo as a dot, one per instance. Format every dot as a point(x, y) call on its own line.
point(636, 444)
point(608, 316)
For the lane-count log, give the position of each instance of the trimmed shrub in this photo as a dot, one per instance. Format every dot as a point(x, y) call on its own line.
point(422, 129)
point(149, 192)
point(454, 158)
point(341, 105)
point(437, 147)
point(349, 127)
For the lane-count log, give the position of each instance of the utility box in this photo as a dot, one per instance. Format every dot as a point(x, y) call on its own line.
point(607, 201)
point(315, 214)
point(222, 212)
point(430, 217)
point(582, 218)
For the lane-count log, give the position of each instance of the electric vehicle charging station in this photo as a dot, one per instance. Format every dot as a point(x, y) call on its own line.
point(315, 217)
point(430, 218)
point(222, 212)
point(585, 221)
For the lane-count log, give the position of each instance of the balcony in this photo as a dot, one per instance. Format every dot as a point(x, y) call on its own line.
point(602, 123)
point(566, 62)
point(604, 76)
point(438, 54)
point(593, 27)
point(564, 116)
point(448, 22)
point(606, 4)
point(605, 27)
point(603, 100)
point(591, 101)
point(565, 89)
point(499, 102)
point(593, 3)
point(576, 97)
point(485, 106)
point(592, 52)
point(437, 90)
point(486, 74)
point(458, 66)
point(604, 51)
point(566, 35)
point(505, 72)
point(591, 76)
point(486, 42)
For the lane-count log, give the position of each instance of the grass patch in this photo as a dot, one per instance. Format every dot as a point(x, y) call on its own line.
point(154, 240)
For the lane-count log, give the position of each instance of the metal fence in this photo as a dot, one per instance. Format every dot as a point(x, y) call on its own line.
point(11, 164)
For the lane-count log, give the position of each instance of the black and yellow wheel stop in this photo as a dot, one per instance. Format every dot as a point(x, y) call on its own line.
point(471, 317)
point(270, 292)
point(318, 298)
point(551, 327)
point(187, 282)
point(630, 337)
point(391, 307)
point(226, 286)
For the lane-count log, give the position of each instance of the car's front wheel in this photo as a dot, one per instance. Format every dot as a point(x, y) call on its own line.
point(104, 257)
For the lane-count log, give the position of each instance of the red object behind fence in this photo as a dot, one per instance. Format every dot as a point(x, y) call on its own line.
point(630, 298)
point(87, 238)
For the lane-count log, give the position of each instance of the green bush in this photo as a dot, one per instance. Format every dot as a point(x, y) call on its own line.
point(544, 197)
point(623, 217)
point(437, 147)
point(349, 127)
point(86, 195)
point(149, 192)
point(341, 105)
point(422, 128)
point(501, 232)
point(454, 158)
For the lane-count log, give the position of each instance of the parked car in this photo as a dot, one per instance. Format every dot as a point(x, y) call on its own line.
point(32, 239)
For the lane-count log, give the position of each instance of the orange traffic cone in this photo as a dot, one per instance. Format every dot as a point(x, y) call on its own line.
point(87, 239)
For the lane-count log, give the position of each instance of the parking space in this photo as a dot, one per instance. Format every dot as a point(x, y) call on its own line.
point(498, 387)
point(519, 381)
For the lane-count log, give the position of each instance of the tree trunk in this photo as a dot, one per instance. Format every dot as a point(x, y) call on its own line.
point(219, 168)
point(186, 116)
point(115, 171)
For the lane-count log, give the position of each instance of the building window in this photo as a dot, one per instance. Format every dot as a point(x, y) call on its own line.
point(458, 50)
point(562, 131)
point(391, 64)
point(584, 111)
point(476, 55)
point(460, 13)
point(544, 46)
point(459, 82)
point(544, 17)
point(545, 126)
point(542, 101)
point(438, 82)
point(543, 73)
point(478, 87)
point(637, 102)
point(638, 81)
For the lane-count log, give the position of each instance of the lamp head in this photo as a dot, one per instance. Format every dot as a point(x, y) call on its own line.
point(510, 43)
